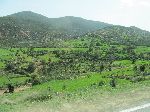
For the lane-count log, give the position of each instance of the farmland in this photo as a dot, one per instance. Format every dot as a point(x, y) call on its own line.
point(86, 69)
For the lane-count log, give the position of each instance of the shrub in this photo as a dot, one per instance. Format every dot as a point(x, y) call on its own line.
point(113, 82)
point(101, 83)
point(39, 97)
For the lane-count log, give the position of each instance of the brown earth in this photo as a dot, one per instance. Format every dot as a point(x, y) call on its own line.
point(18, 89)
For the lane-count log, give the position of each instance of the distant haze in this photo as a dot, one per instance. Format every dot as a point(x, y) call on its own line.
point(119, 12)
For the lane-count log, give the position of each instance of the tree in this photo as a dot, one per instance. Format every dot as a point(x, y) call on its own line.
point(31, 67)
point(142, 68)
point(101, 67)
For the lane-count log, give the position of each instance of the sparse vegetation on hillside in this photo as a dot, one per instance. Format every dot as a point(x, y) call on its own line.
point(45, 66)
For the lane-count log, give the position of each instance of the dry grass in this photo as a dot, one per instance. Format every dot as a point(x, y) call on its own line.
point(96, 103)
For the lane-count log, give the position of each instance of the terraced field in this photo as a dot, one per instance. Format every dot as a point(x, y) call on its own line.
point(47, 77)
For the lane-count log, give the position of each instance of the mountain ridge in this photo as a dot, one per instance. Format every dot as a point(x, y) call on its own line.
point(29, 28)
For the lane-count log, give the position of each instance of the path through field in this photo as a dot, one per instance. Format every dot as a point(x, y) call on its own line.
point(1, 92)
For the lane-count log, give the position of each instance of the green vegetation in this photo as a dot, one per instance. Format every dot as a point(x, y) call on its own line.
point(61, 65)
point(16, 81)
point(60, 74)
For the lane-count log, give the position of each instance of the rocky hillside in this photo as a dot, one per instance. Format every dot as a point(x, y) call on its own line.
point(26, 28)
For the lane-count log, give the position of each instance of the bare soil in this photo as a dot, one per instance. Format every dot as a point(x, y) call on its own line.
point(18, 89)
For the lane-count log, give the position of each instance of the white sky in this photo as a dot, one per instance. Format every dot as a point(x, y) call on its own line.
point(119, 12)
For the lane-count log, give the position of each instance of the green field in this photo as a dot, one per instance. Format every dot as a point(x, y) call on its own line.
point(81, 71)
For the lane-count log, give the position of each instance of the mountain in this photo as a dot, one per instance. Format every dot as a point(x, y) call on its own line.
point(123, 35)
point(27, 27)
point(76, 25)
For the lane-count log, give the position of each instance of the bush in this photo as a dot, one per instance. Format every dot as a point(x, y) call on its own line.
point(101, 83)
point(137, 79)
point(39, 97)
point(35, 80)
point(113, 82)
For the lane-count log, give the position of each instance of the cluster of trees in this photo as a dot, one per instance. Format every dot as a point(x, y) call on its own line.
point(71, 64)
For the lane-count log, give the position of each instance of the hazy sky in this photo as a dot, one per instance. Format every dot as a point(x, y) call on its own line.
point(120, 12)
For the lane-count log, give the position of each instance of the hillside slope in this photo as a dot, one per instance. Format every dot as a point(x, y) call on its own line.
point(30, 28)
point(123, 35)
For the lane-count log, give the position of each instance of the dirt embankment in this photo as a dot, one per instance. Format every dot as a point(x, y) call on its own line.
point(18, 89)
